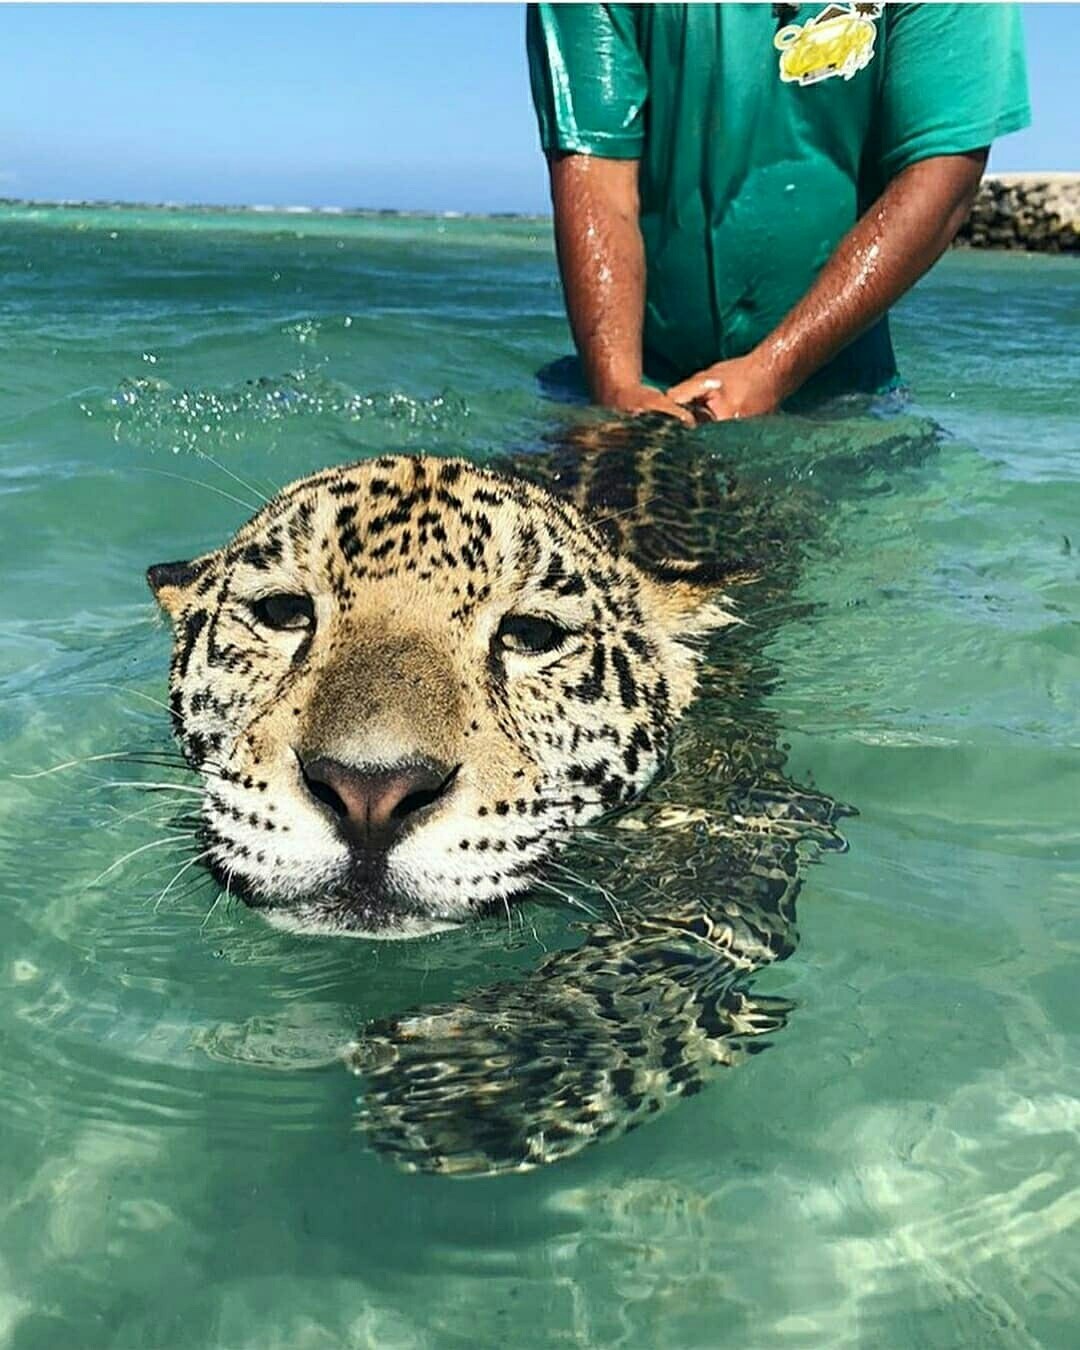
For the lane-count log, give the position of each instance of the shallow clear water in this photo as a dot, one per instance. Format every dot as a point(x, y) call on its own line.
point(179, 1167)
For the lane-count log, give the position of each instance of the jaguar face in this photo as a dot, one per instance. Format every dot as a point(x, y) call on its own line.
point(406, 682)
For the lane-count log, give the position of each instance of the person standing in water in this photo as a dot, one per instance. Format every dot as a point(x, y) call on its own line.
point(741, 191)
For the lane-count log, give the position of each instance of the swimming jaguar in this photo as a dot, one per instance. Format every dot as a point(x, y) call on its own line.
point(415, 687)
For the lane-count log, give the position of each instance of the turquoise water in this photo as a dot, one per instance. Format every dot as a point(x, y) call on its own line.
point(179, 1164)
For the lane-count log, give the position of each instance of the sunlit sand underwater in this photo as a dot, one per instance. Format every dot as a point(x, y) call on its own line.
point(181, 1163)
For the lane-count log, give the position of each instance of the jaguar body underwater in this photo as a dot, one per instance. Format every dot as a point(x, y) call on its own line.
point(419, 692)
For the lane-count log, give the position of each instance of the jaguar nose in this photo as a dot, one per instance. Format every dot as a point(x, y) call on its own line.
point(373, 806)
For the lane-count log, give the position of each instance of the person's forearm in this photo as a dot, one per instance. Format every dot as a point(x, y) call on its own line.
point(602, 261)
point(886, 251)
point(890, 247)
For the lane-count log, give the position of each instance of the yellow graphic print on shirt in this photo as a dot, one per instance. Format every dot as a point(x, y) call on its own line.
point(838, 41)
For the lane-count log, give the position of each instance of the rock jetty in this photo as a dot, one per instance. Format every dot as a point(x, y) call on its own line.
point(1039, 212)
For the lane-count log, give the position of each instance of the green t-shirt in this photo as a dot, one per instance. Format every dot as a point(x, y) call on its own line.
point(763, 133)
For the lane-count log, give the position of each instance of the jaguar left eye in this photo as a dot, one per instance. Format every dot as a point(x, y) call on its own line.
point(284, 612)
point(529, 633)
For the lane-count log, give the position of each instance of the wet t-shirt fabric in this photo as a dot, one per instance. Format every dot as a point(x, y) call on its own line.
point(763, 132)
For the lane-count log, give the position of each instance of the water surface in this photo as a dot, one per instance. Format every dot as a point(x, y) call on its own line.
point(179, 1167)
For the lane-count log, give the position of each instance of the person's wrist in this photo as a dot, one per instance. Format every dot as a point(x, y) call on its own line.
point(611, 387)
point(776, 367)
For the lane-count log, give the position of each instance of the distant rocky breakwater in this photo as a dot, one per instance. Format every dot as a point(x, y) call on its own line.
point(1039, 212)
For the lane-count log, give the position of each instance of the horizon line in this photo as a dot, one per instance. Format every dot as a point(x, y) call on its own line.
point(265, 208)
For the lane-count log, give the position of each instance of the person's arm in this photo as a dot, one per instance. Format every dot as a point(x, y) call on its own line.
point(590, 88)
point(602, 262)
point(883, 255)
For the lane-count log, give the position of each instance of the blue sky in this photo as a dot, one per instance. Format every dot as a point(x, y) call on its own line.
point(410, 106)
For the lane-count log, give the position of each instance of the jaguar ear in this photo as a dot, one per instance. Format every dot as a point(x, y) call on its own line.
point(691, 610)
point(685, 614)
point(170, 580)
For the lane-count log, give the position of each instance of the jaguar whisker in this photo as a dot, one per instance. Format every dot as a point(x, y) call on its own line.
point(186, 867)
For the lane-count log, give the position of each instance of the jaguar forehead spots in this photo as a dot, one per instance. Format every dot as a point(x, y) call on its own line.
point(407, 681)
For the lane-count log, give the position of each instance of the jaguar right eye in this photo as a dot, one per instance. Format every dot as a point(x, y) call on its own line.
point(284, 612)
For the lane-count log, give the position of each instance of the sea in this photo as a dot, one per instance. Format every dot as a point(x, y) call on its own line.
point(181, 1162)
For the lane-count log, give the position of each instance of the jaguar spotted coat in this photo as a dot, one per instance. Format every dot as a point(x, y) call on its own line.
point(408, 684)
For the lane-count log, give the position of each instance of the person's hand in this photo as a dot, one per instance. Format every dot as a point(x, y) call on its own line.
point(636, 399)
point(742, 387)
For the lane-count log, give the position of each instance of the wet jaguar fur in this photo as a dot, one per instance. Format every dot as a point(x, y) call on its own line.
point(409, 683)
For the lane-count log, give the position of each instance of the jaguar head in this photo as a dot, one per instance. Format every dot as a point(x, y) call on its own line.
point(407, 681)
